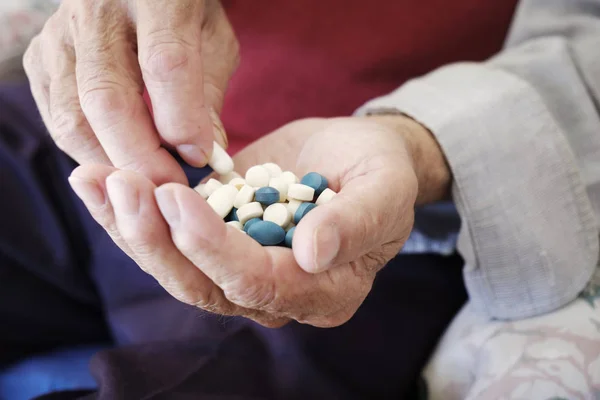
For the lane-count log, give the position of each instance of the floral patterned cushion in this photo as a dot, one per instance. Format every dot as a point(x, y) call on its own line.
point(553, 356)
point(20, 21)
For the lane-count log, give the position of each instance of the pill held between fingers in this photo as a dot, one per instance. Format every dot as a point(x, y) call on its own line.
point(325, 197)
point(266, 195)
point(289, 236)
point(281, 186)
point(257, 176)
point(244, 196)
point(211, 186)
point(298, 191)
point(274, 169)
point(251, 222)
point(249, 211)
point(222, 200)
point(278, 214)
point(267, 233)
point(315, 181)
point(237, 182)
point(289, 177)
point(304, 209)
point(292, 205)
point(227, 178)
point(220, 161)
point(235, 224)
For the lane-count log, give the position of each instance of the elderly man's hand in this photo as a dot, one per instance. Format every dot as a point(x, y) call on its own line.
point(380, 166)
point(89, 67)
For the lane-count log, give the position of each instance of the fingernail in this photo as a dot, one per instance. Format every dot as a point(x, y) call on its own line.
point(193, 154)
point(88, 191)
point(326, 242)
point(124, 197)
point(220, 135)
point(168, 205)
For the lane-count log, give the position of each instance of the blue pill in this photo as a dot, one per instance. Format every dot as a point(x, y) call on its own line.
point(266, 196)
point(250, 222)
point(267, 233)
point(289, 236)
point(302, 210)
point(232, 216)
point(315, 181)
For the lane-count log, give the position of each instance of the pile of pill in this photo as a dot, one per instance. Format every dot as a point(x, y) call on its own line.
point(267, 203)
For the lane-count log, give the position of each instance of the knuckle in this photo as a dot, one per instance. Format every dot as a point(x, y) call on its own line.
point(162, 58)
point(65, 127)
point(103, 99)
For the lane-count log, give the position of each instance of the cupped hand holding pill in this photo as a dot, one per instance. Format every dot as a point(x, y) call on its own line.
point(379, 167)
point(93, 62)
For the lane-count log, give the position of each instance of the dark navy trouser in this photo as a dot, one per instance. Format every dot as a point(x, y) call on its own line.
point(64, 283)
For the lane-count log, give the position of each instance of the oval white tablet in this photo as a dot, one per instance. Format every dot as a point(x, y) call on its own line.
point(281, 186)
point(249, 211)
point(202, 190)
point(274, 169)
point(235, 224)
point(301, 192)
point(220, 161)
point(293, 205)
point(277, 213)
point(289, 177)
point(244, 196)
point(211, 186)
point(237, 182)
point(325, 196)
point(222, 200)
point(257, 176)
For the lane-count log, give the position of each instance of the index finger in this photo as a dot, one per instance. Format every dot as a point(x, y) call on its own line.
point(169, 41)
point(110, 90)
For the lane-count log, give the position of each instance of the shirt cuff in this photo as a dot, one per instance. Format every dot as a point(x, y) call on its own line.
point(528, 233)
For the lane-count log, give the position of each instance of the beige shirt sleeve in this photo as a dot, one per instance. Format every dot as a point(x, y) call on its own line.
point(521, 133)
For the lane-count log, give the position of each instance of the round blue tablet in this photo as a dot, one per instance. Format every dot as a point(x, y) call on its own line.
point(267, 233)
point(302, 210)
point(315, 181)
point(266, 196)
point(289, 236)
point(232, 216)
point(250, 222)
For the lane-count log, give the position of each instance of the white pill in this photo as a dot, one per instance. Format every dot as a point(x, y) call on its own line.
point(281, 186)
point(325, 196)
point(227, 178)
point(237, 182)
point(277, 213)
point(289, 177)
point(274, 169)
point(249, 211)
point(244, 196)
point(201, 188)
point(211, 186)
point(222, 200)
point(257, 176)
point(220, 161)
point(235, 224)
point(293, 205)
point(298, 191)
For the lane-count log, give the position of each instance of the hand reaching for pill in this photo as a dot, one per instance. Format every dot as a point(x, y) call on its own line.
point(92, 63)
point(378, 166)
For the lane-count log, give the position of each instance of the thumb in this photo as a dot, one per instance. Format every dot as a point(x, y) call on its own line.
point(371, 216)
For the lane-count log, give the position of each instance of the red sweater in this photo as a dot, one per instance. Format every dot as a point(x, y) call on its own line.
point(307, 58)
